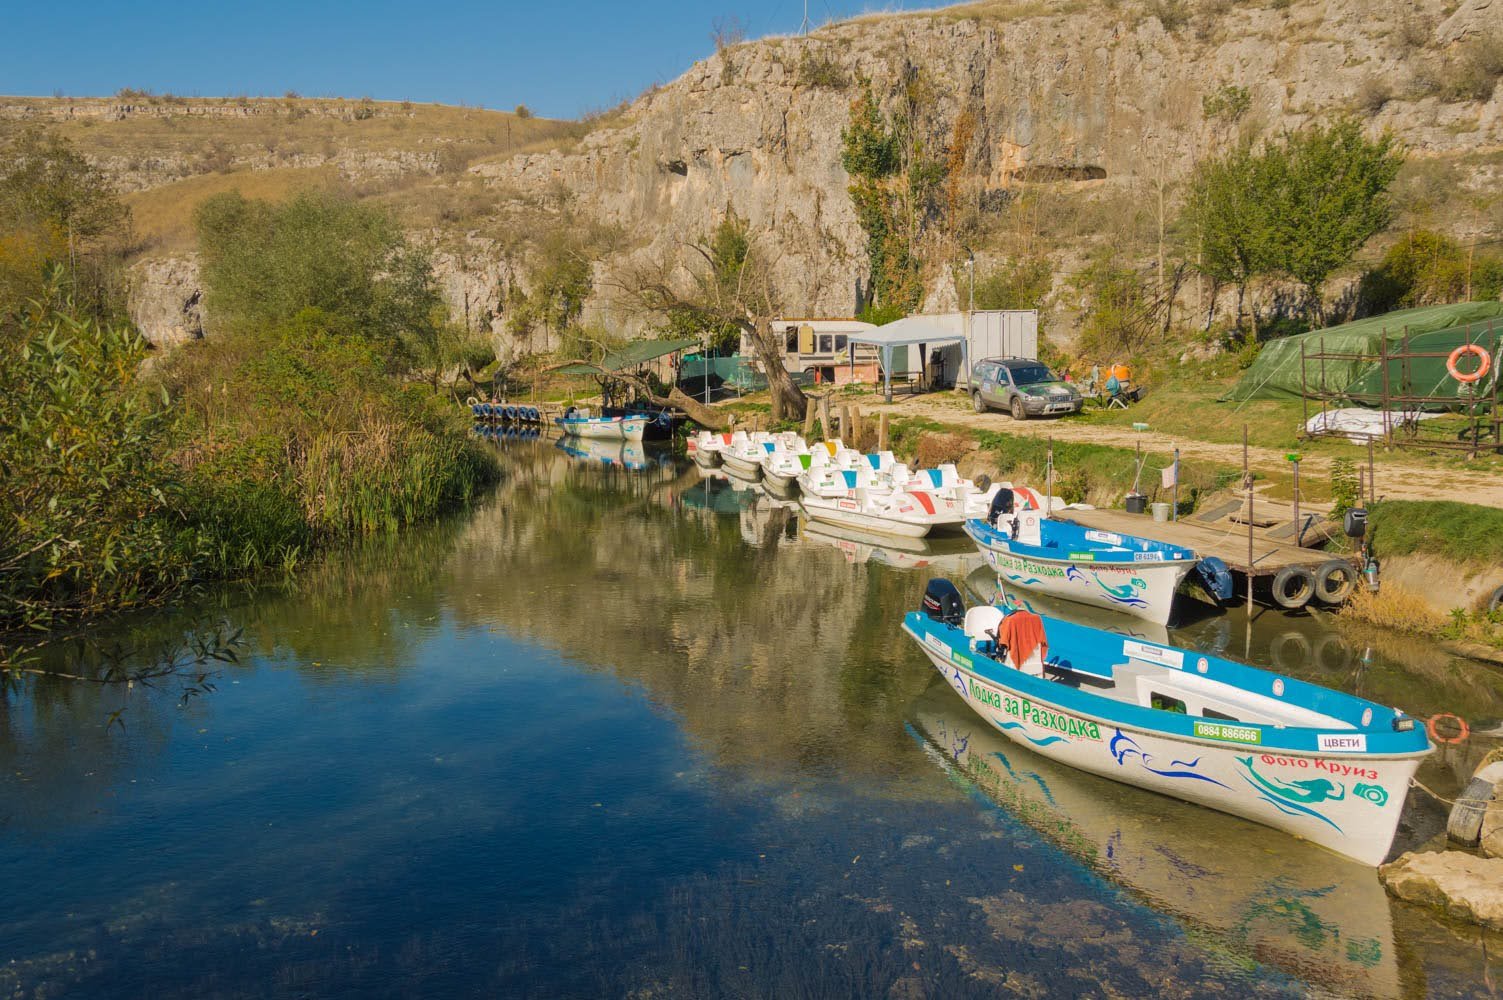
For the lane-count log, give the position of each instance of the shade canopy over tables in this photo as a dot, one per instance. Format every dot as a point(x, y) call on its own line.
point(633, 354)
point(910, 330)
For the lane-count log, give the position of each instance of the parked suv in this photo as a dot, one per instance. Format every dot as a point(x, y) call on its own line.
point(1023, 387)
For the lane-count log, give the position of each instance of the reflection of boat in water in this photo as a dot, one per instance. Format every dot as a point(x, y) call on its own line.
point(716, 492)
point(626, 454)
point(892, 550)
point(1265, 897)
point(1327, 766)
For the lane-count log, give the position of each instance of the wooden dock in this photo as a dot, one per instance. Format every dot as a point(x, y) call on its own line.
point(1218, 534)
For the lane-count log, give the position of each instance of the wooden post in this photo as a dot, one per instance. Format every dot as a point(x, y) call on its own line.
point(824, 416)
point(1247, 481)
point(856, 426)
point(809, 422)
point(845, 427)
point(1372, 485)
point(882, 432)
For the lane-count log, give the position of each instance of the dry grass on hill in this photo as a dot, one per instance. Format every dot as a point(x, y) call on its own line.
point(163, 217)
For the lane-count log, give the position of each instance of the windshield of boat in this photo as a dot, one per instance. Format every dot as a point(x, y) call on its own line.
point(1031, 375)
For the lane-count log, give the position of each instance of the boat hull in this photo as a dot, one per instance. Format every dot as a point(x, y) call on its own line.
point(786, 482)
point(1149, 845)
point(1347, 804)
point(1142, 589)
point(743, 467)
point(913, 517)
point(607, 429)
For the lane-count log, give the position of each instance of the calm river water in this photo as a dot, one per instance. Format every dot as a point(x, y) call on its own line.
point(630, 733)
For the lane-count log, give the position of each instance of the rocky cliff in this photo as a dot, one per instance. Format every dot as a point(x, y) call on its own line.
point(1090, 111)
point(1105, 98)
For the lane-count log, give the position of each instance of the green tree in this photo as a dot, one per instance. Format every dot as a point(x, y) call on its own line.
point(1329, 199)
point(1426, 268)
point(892, 187)
point(58, 211)
point(264, 263)
point(1228, 221)
point(1015, 283)
point(562, 277)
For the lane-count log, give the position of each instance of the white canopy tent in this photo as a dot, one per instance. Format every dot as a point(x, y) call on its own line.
point(909, 330)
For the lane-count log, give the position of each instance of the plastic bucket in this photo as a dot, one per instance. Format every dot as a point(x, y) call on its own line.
point(1137, 503)
point(1160, 511)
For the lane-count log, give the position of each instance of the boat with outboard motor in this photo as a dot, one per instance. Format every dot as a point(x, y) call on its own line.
point(580, 424)
point(1138, 576)
point(1313, 913)
point(1327, 766)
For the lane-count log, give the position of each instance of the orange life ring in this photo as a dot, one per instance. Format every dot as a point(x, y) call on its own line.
point(1482, 369)
point(1463, 733)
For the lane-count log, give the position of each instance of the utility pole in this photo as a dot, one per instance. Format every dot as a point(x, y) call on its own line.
point(803, 26)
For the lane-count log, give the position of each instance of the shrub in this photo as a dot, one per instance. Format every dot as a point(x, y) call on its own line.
point(1373, 94)
point(1472, 73)
point(936, 449)
point(92, 516)
point(523, 112)
point(1346, 486)
point(821, 71)
point(264, 263)
point(1425, 268)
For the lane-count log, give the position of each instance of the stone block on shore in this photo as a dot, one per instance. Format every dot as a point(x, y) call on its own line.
point(1461, 885)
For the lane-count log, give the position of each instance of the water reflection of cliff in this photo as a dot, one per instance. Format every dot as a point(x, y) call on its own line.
point(773, 656)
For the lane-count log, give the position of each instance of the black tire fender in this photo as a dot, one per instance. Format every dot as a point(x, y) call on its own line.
point(1292, 587)
point(1335, 581)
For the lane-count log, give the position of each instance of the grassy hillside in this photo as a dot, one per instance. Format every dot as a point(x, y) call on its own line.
point(167, 154)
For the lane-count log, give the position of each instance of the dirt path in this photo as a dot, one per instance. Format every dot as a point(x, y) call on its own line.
point(1397, 480)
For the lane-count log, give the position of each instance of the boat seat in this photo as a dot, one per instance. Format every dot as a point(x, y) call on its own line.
point(979, 621)
point(1033, 666)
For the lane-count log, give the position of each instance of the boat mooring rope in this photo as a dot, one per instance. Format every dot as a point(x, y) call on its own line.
point(1431, 792)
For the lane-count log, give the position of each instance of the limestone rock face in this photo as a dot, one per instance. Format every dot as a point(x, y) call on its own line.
point(1105, 97)
point(1492, 830)
point(166, 300)
point(1462, 885)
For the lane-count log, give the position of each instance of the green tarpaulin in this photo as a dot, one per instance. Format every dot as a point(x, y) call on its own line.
point(1277, 373)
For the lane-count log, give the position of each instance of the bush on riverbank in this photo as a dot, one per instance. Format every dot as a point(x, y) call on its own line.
point(297, 437)
point(94, 514)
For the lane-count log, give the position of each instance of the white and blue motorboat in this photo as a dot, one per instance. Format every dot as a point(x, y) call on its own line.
point(1137, 576)
point(1327, 766)
point(580, 424)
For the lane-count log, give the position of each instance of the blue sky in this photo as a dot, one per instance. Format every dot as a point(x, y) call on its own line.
point(560, 57)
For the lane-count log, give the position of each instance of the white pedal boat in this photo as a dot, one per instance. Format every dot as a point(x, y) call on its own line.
point(910, 515)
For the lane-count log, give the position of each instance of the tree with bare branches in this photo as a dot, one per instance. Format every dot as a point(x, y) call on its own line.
point(724, 280)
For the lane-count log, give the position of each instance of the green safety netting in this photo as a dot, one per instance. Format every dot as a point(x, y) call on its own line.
point(1278, 373)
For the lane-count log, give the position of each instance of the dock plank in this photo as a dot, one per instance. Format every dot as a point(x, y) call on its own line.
point(1226, 541)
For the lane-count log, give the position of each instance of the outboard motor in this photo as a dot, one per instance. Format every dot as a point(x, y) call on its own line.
point(1215, 578)
point(943, 603)
point(1002, 504)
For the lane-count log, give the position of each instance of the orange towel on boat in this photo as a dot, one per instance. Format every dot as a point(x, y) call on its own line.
point(1022, 632)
